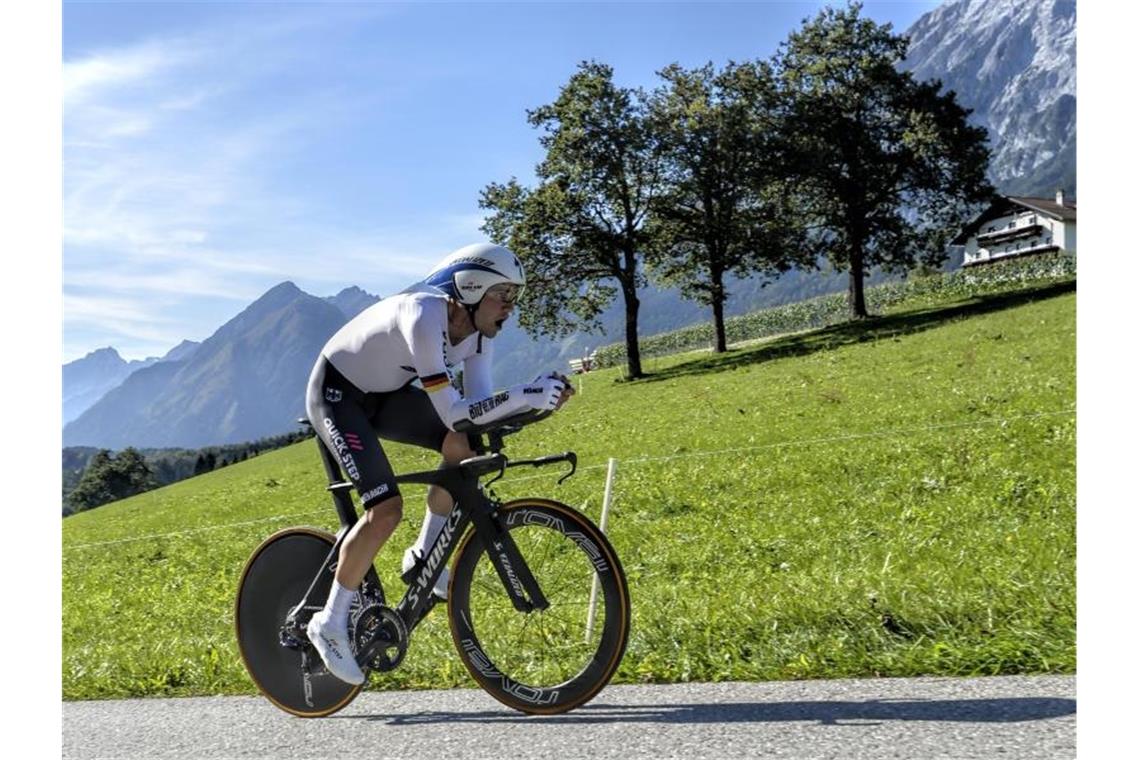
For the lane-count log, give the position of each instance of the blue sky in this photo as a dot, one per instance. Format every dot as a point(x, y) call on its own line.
point(213, 150)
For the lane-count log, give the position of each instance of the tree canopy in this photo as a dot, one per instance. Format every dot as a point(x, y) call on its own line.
point(109, 478)
point(826, 150)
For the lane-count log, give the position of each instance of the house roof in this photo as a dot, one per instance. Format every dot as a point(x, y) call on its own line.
point(1003, 205)
point(1050, 207)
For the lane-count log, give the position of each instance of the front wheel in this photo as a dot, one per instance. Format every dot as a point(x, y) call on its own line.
point(553, 660)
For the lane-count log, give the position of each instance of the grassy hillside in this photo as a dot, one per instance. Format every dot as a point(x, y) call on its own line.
point(890, 498)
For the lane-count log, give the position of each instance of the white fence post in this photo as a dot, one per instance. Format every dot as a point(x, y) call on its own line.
point(605, 514)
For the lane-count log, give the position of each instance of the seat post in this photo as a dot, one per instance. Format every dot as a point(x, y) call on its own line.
point(332, 468)
point(338, 486)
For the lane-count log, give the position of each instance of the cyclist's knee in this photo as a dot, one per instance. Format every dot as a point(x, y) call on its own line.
point(385, 515)
point(456, 448)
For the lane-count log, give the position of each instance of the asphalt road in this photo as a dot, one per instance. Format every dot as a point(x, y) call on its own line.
point(1020, 717)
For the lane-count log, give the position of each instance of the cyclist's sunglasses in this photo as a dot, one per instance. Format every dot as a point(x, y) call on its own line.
point(505, 293)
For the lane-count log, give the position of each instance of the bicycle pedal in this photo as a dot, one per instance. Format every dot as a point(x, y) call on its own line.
point(286, 639)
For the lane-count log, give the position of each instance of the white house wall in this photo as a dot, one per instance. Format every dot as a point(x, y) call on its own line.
point(1070, 237)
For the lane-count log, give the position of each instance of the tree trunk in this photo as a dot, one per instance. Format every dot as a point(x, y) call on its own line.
point(718, 298)
point(855, 299)
point(632, 351)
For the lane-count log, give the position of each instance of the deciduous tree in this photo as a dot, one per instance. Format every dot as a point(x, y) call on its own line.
point(583, 232)
point(885, 167)
point(724, 209)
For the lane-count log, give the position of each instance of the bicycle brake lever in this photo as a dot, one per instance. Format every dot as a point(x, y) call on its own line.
point(572, 458)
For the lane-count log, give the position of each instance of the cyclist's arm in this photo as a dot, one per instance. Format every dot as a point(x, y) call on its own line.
point(427, 332)
point(477, 372)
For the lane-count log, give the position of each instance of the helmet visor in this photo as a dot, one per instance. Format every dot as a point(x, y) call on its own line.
point(505, 293)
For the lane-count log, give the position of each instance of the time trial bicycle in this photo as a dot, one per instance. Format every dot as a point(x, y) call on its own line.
point(538, 603)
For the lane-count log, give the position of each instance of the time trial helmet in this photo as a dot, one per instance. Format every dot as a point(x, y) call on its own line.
point(467, 274)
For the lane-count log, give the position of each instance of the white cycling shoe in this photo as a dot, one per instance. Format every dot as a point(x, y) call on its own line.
point(410, 559)
point(332, 645)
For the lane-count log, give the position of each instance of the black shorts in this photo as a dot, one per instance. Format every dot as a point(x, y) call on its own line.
point(350, 421)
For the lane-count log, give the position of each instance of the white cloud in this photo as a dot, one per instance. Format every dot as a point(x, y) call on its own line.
point(390, 258)
point(171, 190)
point(89, 77)
point(128, 125)
point(136, 325)
point(182, 282)
point(103, 307)
point(188, 101)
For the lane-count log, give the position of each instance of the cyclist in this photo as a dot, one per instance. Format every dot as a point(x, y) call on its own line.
point(361, 388)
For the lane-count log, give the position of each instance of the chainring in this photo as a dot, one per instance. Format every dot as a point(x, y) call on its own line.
point(379, 629)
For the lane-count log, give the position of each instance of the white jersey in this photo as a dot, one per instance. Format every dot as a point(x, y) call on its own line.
point(404, 337)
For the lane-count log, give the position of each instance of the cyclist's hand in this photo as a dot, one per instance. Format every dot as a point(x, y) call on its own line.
point(568, 387)
point(567, 392)
point(545, 393)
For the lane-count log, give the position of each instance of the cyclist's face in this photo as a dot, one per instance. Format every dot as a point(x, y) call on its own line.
point(493, 311)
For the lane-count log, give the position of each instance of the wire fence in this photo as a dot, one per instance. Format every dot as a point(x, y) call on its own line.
point(191, 531)
point(1002, 422)
point(816, 441)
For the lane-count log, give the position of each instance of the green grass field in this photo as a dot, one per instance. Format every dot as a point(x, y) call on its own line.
point(890, 498)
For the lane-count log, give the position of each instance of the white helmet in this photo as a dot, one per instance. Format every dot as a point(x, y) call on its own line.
point(466, 274)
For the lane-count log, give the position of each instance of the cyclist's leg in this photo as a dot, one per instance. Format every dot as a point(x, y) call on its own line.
point(408, 416)
point(341, 415)
point(455, 448)
point(365, 540)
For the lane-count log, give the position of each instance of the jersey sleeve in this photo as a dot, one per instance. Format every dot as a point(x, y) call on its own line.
point(425, 329)
point(477, 372)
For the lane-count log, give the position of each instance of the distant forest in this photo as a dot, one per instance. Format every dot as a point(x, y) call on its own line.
point(94, 476)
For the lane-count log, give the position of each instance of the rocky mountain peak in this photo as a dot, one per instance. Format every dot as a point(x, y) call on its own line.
point(1014, 63)
point(352, 300)
point(107, 354)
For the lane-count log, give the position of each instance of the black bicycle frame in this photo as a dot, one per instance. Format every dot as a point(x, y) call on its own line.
point(471, 507)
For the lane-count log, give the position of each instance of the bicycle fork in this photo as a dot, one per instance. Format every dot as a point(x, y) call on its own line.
point(518, 580)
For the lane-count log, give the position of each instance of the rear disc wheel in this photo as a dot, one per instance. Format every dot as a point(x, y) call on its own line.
point(274, 580)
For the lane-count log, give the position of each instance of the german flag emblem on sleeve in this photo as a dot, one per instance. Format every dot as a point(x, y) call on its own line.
point(433, 383)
